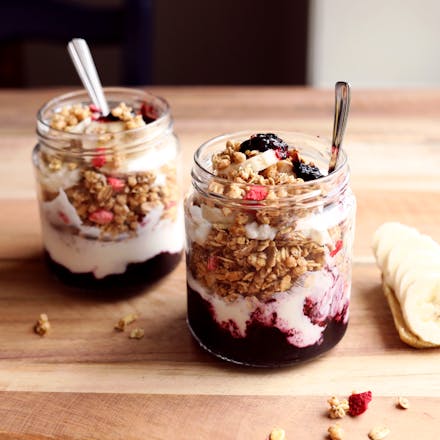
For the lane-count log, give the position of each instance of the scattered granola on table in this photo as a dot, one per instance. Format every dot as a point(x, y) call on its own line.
point(277, 434)
point(43, 325)
point(335, 432)
point(137, 333)
point(338, 408)
point(403, 403)
point(126, 320)
point(379, 433)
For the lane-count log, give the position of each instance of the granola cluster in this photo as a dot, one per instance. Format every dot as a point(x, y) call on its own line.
point(118, 204)
point(69, 117)
point(255, 250)
point(338, 408)
point(231, 164)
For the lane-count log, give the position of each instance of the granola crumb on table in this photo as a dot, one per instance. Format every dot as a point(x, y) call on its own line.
point(379, 433)
point(335, 432)
point(403, 403)
point(43, 325)
point(137, 333)
point(338, 408)
point(125, 321)
point(277, 434)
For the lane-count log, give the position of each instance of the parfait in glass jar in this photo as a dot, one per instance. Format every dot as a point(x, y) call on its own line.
point(108, 188)
point(269, 247)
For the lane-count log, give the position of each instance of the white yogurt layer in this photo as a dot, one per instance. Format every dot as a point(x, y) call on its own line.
point(285, 310)
point(84, 253)
point(315, 226)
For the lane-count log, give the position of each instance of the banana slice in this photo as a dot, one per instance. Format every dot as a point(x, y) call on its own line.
point(412, 264)
point(411, 250)
point(421, 308)
point(413, 275)
point(256, 163)
point(110, 127)
point(261, 161)
point(386, 237)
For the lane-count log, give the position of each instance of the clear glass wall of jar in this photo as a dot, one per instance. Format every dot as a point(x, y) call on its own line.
point(269, 281)
point(109, 189)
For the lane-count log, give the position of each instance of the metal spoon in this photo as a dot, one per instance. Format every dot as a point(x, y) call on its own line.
point(342, 106)
point(82, 60)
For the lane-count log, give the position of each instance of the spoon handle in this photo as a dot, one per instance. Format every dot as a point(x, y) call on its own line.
point(342, 106)
point(82, 59)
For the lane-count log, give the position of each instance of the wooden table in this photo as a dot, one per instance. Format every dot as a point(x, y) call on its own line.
point(85, 380)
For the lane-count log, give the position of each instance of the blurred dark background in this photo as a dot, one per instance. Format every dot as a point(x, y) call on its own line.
point(137, 42)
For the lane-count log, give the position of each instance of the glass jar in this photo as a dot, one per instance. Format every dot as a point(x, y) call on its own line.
point(109, 189)
point(269, 280)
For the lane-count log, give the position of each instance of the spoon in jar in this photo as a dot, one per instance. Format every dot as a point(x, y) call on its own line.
point(342, 106)
point(82, 60)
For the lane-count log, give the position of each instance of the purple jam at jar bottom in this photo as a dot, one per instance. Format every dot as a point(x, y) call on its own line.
point(136, 274)
point(262, 346)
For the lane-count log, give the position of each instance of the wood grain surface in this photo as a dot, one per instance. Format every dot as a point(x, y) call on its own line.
point(85, 381)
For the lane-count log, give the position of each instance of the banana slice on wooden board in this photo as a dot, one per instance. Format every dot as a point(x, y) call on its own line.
point(406, 335)
point(410, 265)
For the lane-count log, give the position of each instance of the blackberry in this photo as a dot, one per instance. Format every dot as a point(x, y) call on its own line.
point(305, 171)
point(265, 141)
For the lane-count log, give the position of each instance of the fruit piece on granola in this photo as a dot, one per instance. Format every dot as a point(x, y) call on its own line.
point(256, 193)
point(212, 263)
point(263, 142)
point(101, 217)
point(116, 184)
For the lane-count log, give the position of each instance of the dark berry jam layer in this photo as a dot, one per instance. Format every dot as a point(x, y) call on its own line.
point(136, 274)
point(262, 347)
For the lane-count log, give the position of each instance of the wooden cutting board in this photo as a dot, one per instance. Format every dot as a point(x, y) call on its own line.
point(86, 381)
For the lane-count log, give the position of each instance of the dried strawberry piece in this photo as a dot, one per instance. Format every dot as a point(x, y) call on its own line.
point(101, 217)
point(256, 193)
point(338, 247)
point(358, 403)
point(148, 113)
point(99, 160)
point(212, 262)
point(116, 184)
point(63, 217)
point(94, 109)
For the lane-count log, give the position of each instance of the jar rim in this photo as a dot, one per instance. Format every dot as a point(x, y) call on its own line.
point(342, 164)
point(107, 90)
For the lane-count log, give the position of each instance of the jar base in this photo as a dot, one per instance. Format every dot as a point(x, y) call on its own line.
point(262, 346)
point(136, 274)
